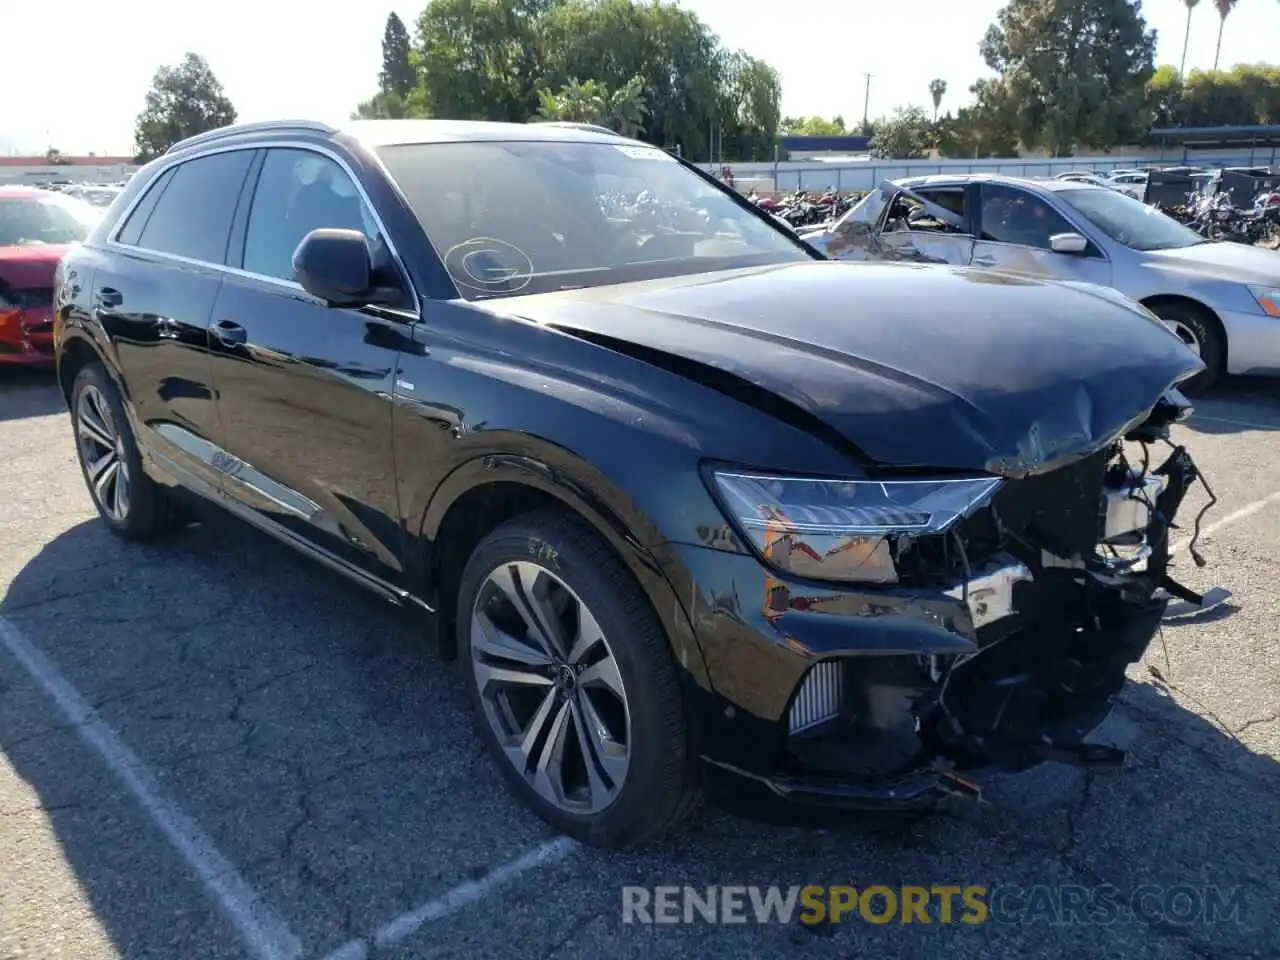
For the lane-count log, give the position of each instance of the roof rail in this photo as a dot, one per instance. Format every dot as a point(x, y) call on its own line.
point(265, 126)
point(575, 125)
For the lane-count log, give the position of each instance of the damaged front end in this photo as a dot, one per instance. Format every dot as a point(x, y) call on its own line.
point(1059, 579)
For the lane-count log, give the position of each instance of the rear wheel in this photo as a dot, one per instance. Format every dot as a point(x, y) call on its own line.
point(1202, 335)
point(129, 502)
point(572, 683)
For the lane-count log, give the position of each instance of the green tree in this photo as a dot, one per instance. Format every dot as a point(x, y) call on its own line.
point(1165, 106)
point(625, 108)
point(815, 126)
point(1224, 10)
point(1186, 35)
point(516, 59)
point(988, 128)
point(479, 59)
point(53, 156)
point(615, 40)
point(904, 136)
point(752, 107)
point(1077, 70)
point(937, 90)
point(622, 109)
point(391, 106)
point(398, 74)
point(579, 102)
point(1247, 94)
point(183, 101)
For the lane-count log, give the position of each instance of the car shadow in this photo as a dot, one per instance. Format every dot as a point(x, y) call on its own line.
point(305, 728)
point(29, 393)
point(1237, 405)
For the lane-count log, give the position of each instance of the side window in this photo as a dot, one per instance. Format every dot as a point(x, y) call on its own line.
point(299, 191)
point(193, 217)
point(907, 213)
point(952, 200)
point(131, 232)
point(1015, 216)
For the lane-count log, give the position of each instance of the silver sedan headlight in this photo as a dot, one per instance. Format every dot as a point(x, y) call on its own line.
point(846, 530)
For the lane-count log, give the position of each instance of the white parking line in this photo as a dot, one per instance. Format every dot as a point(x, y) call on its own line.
point(265, 935)
point(1235, 516)
point(454, 900)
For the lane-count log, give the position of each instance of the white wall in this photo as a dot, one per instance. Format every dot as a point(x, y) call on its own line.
point(76, 173)
point(863, 175)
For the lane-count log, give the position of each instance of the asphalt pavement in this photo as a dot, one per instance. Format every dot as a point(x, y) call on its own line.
point(210, 748)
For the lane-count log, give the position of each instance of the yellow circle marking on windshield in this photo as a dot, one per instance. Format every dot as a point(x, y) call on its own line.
point(484, 263)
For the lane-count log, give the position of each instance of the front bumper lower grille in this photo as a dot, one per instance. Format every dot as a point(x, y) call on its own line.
point(820, 697)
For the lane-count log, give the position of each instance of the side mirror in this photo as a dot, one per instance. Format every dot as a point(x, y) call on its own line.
point(337, 267)
point(1068, 243)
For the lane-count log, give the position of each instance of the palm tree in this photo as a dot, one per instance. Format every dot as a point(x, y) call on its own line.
point(591, 101)
point(937, 90)
point(576, 101)
point(1224, 8)
point(625, 108)
point(1186, 37)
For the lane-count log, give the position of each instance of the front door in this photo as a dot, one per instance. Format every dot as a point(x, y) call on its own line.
point(1014, 231)
point(910, 231)
point(305, 390)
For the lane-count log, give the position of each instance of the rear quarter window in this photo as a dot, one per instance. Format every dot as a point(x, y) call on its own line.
point(131, 232)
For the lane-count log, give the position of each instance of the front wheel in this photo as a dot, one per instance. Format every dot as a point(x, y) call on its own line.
point(1202, 335)
point(572, 682)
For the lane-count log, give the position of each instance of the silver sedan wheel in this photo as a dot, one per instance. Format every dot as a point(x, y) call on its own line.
point(1185, 334)
point(550, 687)
point(101, 447)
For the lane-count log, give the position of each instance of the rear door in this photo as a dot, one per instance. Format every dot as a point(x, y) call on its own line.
point(154, 294)
point(1014, 227)
point(304, 390)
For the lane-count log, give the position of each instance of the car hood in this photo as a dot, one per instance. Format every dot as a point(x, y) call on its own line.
point(914, 365)
point(30, 266)
point(1224, 261)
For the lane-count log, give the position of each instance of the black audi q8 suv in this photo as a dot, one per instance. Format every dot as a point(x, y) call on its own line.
point(700, 511)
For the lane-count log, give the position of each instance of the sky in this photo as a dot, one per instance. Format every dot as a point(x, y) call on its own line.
point(315, 59)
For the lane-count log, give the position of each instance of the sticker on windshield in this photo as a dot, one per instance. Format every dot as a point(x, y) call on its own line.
point(644, 153)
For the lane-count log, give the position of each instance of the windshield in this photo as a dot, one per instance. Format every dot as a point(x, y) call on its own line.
point(1129, 221)
point(51, 219)
point(513, 218)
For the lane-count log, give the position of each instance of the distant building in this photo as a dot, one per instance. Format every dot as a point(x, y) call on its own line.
point(823, 148)
point(37, 169)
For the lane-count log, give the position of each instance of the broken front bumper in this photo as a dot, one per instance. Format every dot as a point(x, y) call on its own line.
point(893, 697)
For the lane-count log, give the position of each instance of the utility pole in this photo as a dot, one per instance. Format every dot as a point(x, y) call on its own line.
point(866, 101)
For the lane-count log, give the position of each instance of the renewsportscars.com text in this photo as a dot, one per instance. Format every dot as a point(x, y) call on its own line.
point(971, 904)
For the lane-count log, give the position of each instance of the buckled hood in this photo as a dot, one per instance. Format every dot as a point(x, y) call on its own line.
point(915, 365)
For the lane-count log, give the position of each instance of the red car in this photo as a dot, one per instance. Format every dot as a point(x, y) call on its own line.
point(36, 228)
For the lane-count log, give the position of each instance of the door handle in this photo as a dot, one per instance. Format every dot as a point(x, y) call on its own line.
point(230, 332)
point(108, 297)
point(985, 261)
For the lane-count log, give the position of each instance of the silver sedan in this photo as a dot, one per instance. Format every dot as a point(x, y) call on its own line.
point(1222, 299)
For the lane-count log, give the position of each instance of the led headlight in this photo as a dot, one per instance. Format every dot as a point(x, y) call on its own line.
point(1268, 299)
point(844, 529)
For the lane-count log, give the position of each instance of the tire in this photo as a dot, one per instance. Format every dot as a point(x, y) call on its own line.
point(1194, 324)
point(645, 785)
point(112, 465)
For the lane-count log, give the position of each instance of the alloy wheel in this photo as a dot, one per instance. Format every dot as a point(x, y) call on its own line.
point(101, 446)
point(1185, 334)
point(550, 687)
